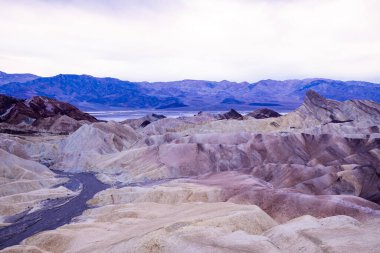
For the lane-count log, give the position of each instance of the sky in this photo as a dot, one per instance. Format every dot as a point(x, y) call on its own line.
point(165, 40)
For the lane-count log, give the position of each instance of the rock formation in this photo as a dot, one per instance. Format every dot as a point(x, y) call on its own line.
point(144, 121)
point(231, 114)
point(15, 111)
point(40, 113)
point(318, 110)
point(263, 114)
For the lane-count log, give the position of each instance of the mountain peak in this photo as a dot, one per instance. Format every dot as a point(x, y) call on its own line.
point(314, 97)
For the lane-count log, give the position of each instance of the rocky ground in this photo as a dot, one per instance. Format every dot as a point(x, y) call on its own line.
point(308, 181)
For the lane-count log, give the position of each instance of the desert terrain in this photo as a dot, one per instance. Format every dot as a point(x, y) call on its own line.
point(307, 181)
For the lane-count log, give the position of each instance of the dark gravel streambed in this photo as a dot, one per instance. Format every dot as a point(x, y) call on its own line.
point(55, 212)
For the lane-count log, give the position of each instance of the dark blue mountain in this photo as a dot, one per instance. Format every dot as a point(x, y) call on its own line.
point(232, 101)
point(87, 92)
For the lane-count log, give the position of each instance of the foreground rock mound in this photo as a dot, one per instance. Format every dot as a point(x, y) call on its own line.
point(41, 113)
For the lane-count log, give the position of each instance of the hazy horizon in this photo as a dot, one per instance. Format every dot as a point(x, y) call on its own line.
point(190, 79)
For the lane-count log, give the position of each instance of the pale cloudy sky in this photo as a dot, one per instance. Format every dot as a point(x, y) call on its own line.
point(161, 40)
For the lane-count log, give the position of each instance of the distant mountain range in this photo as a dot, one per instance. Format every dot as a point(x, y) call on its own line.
point(9, 78)
point(92, 93)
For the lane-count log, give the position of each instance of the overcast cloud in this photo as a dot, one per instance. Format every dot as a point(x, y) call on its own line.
point(161, 40)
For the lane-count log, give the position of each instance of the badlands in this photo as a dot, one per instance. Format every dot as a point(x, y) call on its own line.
point(308, 181)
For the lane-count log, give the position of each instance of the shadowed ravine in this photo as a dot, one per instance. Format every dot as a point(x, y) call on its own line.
point(56, 212)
